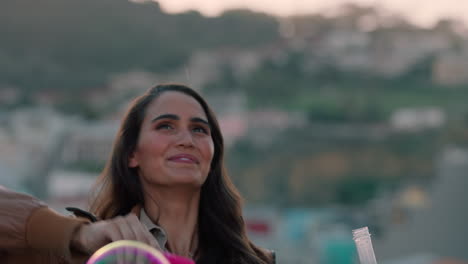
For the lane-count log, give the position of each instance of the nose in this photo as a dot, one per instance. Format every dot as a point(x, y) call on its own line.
point(185, 139)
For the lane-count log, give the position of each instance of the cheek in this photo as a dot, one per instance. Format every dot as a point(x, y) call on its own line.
point(208, 151)
point(153, 147)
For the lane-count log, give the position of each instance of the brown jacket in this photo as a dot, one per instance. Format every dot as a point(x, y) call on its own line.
point(31, 232)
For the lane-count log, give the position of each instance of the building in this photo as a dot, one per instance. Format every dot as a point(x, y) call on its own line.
point(450, 69)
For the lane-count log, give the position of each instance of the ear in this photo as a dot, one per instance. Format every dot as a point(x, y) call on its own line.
point(132, 161)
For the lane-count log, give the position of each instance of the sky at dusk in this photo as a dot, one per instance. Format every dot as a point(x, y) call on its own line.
point(422, 12)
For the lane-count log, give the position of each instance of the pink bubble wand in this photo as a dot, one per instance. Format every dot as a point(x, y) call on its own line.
point(108, 254)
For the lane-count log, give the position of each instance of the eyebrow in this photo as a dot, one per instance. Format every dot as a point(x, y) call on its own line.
point(200, 120)
point(176, 117)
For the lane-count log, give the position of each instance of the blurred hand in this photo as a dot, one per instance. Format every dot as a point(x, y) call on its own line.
point(91, 237)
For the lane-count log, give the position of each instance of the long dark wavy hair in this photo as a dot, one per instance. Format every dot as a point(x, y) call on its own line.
point(221, 228)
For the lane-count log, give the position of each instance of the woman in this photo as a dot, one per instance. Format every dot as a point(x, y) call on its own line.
point(167, 167)
point(166, 175)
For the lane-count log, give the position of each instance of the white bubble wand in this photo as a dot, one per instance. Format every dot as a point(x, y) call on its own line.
point(361, 237)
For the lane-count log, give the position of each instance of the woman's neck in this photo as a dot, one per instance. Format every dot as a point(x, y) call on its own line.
point(176, 211)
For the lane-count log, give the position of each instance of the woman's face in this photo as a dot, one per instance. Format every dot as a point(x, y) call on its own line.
point(175, 145)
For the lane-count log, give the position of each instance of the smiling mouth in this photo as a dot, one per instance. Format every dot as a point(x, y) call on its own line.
point(183, 160)
point(187, 159)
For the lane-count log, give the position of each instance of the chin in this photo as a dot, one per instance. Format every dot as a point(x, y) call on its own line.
point(194, 180)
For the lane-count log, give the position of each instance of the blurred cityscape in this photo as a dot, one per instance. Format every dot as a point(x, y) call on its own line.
point(331, 122)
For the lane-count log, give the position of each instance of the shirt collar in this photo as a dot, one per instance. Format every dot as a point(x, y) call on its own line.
point(157, 231)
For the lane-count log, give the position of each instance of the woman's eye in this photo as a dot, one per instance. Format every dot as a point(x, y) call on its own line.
point(164, 127)
point(200, 130)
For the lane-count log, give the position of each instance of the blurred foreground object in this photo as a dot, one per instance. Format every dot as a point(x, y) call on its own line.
point(364, 246)
point(133, 252)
